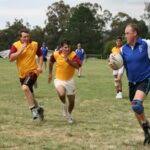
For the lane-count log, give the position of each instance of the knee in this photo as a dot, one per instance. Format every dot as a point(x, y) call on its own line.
point(62, 96)
point(25, 88)
point(137, 106)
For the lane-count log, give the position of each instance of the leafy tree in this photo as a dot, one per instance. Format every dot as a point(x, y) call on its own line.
point(10, 34)
point(119, 23)
point(146, 15)
point(57, 18)
point(85, 26)
point(37, 34)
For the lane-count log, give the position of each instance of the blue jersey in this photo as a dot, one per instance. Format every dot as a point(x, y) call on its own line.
point(137, 60)
point(80, 53)
point(44, 51)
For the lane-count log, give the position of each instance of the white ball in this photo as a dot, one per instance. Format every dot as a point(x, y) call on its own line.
point(116, 60)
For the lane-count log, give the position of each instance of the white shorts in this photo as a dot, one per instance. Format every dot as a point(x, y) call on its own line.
point(69, 85)
point(119, 71)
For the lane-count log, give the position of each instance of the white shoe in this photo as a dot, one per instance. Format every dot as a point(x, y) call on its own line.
point(119, 95)
point(64, 110)
point(70, 119)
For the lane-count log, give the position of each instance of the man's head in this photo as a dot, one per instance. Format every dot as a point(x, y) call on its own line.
point(79, 45)
point(43, 45)
point(119, 41)
point(131, 33)
point(24, 36)
point(65, 47)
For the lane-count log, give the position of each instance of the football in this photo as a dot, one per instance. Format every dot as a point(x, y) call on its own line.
point(116, 60)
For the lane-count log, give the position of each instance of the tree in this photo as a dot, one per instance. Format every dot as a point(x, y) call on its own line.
point(10, 34)
point(85, 26)
point(57, 18)
point(37, 34)
point(146, 15)
point(119, 23)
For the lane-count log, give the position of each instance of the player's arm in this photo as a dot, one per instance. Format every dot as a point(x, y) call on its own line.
point(51, 63)
point(40, 59)
point(148, 47)
point(75, 62)
point(14, 53)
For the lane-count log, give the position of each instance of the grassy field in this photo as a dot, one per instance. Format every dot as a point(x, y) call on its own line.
point(101, 121)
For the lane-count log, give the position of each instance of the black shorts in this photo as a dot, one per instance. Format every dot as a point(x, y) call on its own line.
point(44, 59)
point(29, 80)
point(142, 86)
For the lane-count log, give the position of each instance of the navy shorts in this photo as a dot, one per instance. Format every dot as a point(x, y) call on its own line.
point(44, 59)
point(142, 86)
point(29, 80)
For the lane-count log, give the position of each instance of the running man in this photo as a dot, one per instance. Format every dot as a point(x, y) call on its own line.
point(81, 54)
point(24, 52)
point(118, 73)
point(136, 56)
point(66, 63)
point(44, 52)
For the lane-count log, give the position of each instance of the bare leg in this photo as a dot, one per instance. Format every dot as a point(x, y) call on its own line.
point(71, 100)
point(61, 93)
point(30, 98)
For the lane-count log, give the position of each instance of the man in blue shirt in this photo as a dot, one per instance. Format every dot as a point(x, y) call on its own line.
point(81, 54)
point(136, 56)
point(44, 52)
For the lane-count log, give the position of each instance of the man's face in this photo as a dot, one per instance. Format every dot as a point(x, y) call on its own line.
point(130, 35)
point(25, 37)
point(79, 46)
point(119, 42)
point(65, 49)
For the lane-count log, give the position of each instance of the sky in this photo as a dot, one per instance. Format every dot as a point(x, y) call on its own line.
point(34, 11)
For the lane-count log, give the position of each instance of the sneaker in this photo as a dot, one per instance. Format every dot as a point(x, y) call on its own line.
point(64, 110)
point(146, 129)
point(40, 113)
point(70, 119)
point(35, 114)
point(119, 95)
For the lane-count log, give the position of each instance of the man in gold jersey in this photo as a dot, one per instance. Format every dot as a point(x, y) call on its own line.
point(24, 52)
point(66, 63)
point(118, 73)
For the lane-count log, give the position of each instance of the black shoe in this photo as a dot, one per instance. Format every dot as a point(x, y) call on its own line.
point(146, 128)
point(40, 111)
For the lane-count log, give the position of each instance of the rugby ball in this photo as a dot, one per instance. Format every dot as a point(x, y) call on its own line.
point(116, 60)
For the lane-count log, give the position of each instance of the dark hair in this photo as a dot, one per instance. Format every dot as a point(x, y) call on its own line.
point(119, 38)
point(134, 27)
point(23, 30)
point(64, 42)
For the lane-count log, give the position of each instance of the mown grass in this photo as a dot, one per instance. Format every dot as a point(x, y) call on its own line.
point(101, 121)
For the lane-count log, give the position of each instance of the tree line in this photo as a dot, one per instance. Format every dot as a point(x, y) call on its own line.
point(96, 29)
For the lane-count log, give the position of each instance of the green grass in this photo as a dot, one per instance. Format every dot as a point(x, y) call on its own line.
point(101, 121)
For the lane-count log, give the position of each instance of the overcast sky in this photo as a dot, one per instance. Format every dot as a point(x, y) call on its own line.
point(34, 11)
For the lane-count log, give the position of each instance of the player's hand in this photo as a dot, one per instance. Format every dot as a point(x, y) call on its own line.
point(111, 65)
point(39, 70)
point(24, 45)
point(66, 59)
point(50, 78)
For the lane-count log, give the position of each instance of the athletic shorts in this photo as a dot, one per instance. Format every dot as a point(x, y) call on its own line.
point(142, 86)
point(44, 59)
point(119, 71)
point(29, 80)
point(69, 85)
